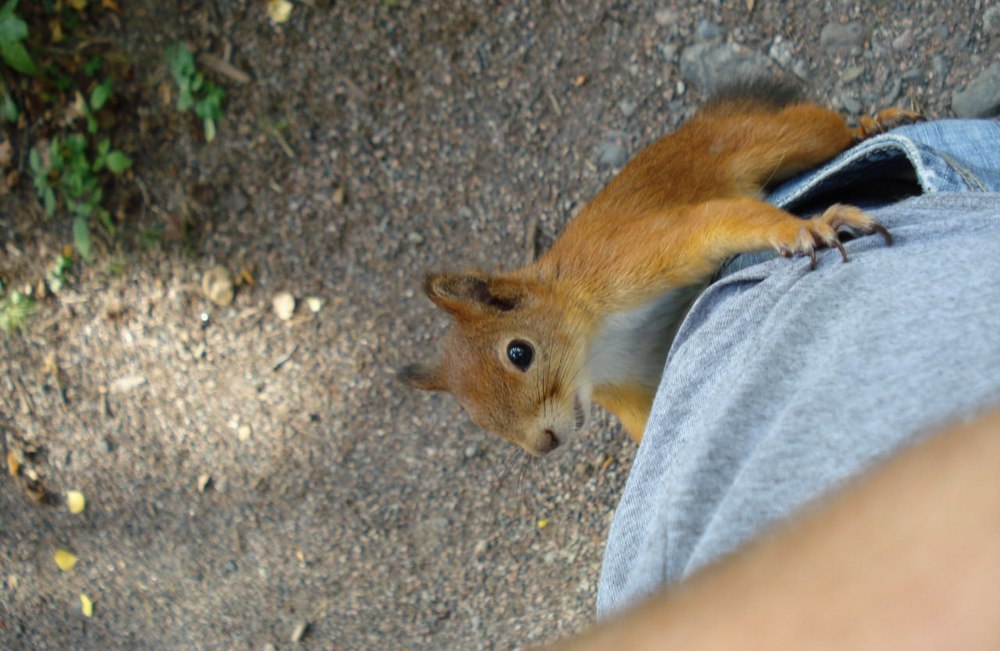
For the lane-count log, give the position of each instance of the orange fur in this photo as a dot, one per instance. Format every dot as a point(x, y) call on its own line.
point(659, 229)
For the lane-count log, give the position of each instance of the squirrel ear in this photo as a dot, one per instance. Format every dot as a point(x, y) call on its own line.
point(418, 376)
point(473, 295)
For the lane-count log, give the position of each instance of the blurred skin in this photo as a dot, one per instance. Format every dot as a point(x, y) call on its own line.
point(908, 557)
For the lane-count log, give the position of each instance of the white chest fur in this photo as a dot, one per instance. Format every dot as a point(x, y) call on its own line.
point(632, 346)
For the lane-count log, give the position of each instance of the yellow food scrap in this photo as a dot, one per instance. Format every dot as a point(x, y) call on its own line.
point(278, 10)
point(75, 501)
point(65, 560)
point(542, 524)
point(86, 605)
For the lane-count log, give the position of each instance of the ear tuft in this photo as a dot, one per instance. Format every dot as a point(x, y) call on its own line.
point(419, 376)
point(473, 295)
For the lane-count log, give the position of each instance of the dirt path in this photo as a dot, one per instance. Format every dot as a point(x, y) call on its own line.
point(250, 480)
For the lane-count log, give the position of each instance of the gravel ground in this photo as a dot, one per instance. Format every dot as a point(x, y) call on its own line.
point(255, 483)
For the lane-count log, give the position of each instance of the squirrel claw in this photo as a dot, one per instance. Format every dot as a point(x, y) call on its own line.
point(823, 232)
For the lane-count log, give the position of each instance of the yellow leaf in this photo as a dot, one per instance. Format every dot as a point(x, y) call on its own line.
point(79, 5)
point(13, 463)
point(86, 605)
point(65, 560)
point(542, 524)
point(75, 501)
point(57, 31)
point(279, 10)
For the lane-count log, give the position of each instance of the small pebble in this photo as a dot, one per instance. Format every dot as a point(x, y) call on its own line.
point(300, 630)
point(801, 70)
point(126, 384)
point(664, 17)
point(627, 107)
point(904, 41)
point(234, 201)
point(991, 19)
point(612, 154)
point(780, 51)
point(244, 432)
point(850, 104)
point(708, 31)
point(852, 73)
point(284, 305)
point(471, 450)
point(339, 197)
point(835, 37)
point(981, 97)
point(217, 285)
point(314, 303)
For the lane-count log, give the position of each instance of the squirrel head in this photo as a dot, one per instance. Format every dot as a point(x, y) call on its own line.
point(514, 358)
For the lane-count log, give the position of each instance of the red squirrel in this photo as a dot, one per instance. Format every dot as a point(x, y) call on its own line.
point(593, 318)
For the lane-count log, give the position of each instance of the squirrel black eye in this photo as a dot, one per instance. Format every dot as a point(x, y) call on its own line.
point(520, 354)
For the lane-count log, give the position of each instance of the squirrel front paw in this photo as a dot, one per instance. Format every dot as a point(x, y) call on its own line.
point(823, 232)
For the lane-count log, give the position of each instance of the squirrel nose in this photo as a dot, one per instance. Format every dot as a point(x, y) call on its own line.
point(549, 443)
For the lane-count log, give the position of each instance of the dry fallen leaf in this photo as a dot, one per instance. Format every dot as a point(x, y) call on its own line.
point(5, 154)
point(86, 605)
point(79, 5)
point(65, 560)
point(75, 501)
point(13, 463)
point(56, 30)
point(203, 482)
point(112, 5)
point(278, 10)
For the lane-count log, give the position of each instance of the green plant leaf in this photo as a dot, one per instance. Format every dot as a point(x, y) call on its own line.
point(49, 199)
point(100, 95)
point(35, 161)
point(17, 57)
point(209, 129)
point(118, 162)
point(185, 99)
point(180, 60)
point(8, 9)
point(8, 109)
point(12, 29)
point(94, 66)
point(106, 220)
point(81, 237)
